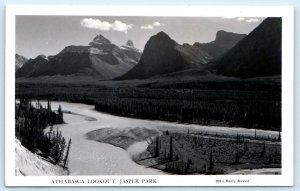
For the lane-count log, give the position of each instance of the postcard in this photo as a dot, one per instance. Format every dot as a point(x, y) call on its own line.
point(149, 96)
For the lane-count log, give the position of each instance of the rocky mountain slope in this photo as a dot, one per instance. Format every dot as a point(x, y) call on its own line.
point(19, 61)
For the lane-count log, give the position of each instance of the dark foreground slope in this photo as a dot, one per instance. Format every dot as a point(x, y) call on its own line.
point(258, 54)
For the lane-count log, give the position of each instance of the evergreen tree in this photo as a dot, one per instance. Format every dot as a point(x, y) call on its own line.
point(60, 113)
point(157, 146)
point(171, 148)
point(49, 106)
point(66, 159)
point(211, 163)
point(58, 147)
point(237, 158)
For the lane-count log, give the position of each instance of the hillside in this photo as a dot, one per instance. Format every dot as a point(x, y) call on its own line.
point(29, 164)
point(258, 54)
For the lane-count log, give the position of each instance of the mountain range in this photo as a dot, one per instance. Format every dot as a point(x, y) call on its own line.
point(163, 55)
point(100, 58)
point(239, 55)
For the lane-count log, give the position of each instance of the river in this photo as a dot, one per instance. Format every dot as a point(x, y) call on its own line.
point(88, 157)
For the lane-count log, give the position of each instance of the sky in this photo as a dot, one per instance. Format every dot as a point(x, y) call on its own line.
point(48, 35)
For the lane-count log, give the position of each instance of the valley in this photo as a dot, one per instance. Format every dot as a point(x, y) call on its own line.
point(206, 100)
point(173, 108)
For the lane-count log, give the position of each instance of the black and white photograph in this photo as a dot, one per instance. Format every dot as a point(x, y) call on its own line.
point(161, 96)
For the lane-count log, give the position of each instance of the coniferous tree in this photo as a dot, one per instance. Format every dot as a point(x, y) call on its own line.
point(66, 159)
point(58, 147)
point(263, 152)
point(211, 163)
point(157, 146)
point(165, 153)
point(171, 148)
point(60, 114)
point(237, 158)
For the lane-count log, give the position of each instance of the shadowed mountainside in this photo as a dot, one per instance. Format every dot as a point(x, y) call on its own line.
point(162, 55)
point(258, 54)
point(223, 42)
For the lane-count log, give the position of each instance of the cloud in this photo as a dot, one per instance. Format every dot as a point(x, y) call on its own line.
point(251, 20)
point(248, 20)
point(157, 24)
point(105, 26)
point(152, 26)
point(147, 27)
point(121, 27)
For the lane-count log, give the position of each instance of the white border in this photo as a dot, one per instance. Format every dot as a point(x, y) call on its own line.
point(286, 12)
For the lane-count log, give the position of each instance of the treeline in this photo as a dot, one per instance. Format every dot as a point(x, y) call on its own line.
point(258, 114)
point(238, 84)
point(29, 129)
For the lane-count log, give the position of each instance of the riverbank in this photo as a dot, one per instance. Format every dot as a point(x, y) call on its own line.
point(185, 151)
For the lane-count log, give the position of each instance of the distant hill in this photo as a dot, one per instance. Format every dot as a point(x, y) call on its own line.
point(32, 66)
point(19, 61)
point(257, 55)
point(100, 58)
point(223, 42)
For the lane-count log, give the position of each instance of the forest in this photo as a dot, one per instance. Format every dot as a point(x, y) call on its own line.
point(199, 153)
point(236, 103)
point(31, 122)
